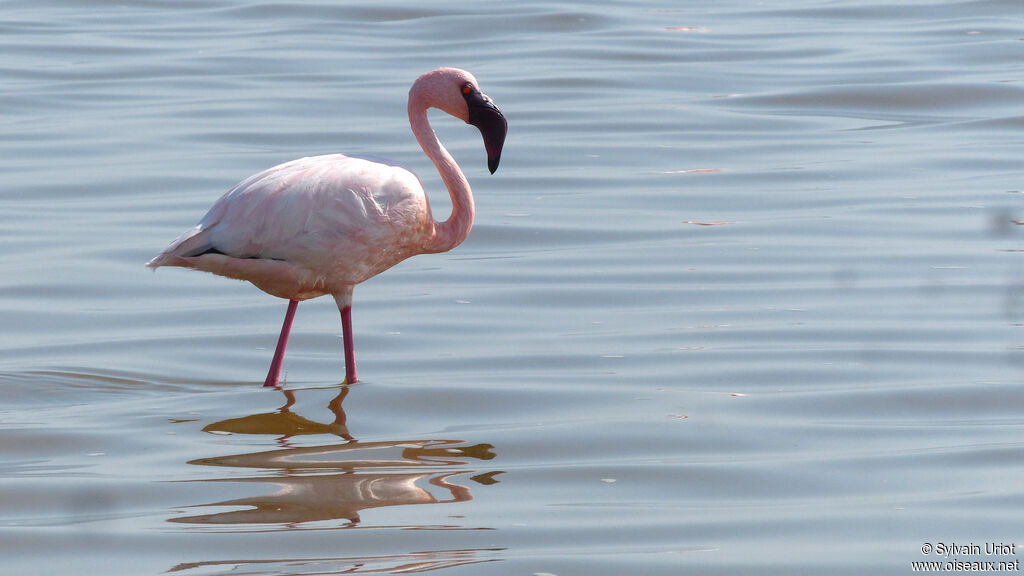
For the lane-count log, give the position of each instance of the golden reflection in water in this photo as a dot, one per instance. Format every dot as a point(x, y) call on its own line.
point(286, 423)
point(331, 484)
point(387, 564)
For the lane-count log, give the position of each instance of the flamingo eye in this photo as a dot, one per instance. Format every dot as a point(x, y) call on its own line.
point(467, 88)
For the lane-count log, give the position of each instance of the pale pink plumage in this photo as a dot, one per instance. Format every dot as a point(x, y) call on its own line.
point(320, 225)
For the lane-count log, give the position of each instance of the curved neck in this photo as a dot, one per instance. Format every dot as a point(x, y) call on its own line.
point(455, 229)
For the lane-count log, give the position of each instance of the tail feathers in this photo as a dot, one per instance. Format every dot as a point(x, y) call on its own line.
point(192, 243)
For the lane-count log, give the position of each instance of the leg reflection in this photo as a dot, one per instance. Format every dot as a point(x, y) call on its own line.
point(285, 423)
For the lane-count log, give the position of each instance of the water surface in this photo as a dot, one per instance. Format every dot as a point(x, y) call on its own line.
point(745, 294)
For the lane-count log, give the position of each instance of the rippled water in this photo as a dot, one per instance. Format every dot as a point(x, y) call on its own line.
point(746, 294)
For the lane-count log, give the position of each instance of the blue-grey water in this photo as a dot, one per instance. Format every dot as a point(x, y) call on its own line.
point(745, 296)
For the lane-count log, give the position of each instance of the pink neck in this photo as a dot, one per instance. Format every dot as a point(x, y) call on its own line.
point(455, 229)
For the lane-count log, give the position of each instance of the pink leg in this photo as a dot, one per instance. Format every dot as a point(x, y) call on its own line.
point(344, 301)
point(350, 349)
point(275, 367)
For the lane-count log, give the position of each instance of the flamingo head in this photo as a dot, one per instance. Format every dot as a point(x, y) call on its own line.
point(456, 92)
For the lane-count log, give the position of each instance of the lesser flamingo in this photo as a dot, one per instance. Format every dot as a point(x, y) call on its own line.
point(321, 225)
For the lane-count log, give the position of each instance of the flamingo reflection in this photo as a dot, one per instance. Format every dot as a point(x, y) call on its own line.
point(386, 564)
point(335, 482)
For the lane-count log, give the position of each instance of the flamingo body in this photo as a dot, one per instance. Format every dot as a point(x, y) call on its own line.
point(320, 225)
point(309, 227)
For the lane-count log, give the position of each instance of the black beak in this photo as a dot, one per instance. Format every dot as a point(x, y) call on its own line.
point(489, 120)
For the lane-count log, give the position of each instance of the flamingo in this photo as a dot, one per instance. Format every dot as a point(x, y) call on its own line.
point(320, 225)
